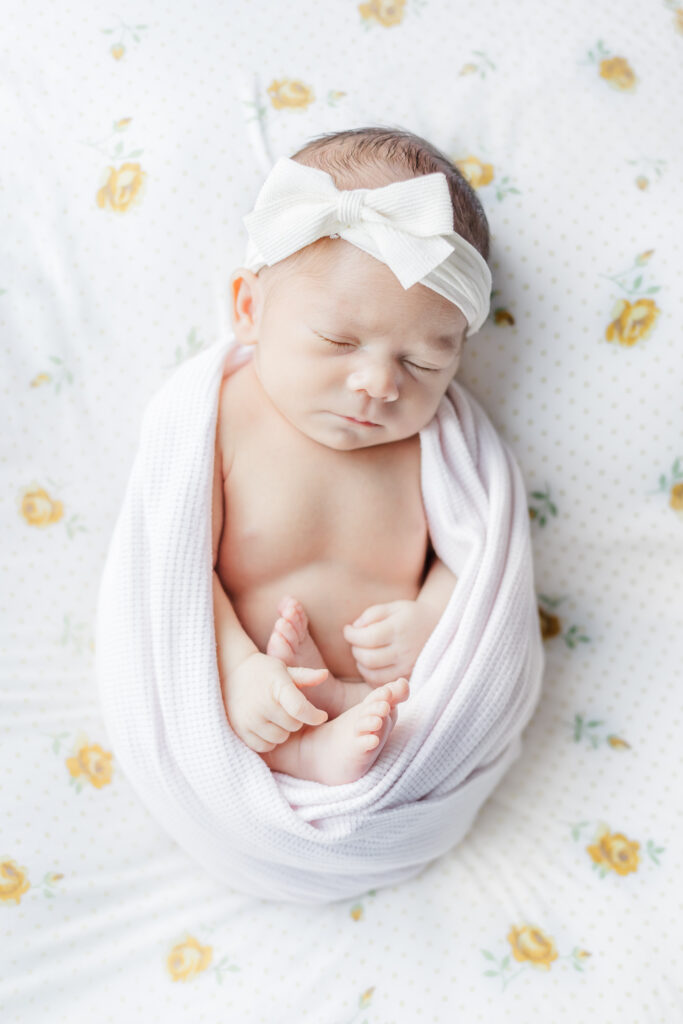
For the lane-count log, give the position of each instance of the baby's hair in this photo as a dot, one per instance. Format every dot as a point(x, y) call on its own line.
point(361, 158)
point(349, 155)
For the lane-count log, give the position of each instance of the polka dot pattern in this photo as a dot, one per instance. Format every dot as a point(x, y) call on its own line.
point(132, 145)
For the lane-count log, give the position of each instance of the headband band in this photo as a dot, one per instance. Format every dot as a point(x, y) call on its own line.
point(408, 225)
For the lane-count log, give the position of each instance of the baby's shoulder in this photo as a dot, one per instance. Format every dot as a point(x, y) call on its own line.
point(235, 409)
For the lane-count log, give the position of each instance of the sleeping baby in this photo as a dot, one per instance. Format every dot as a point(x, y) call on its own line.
point(366, 270)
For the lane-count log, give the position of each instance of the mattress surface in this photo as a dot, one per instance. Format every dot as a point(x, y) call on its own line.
point(131, 148)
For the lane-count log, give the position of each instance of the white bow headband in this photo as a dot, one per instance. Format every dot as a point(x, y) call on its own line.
point(408, 225)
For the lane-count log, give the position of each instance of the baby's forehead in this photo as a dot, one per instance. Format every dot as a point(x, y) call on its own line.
point(355, 282)
point(335, 279)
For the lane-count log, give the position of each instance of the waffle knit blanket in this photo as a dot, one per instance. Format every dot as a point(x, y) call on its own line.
point(473, 689)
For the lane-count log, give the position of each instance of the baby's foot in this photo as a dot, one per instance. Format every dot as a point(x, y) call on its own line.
point(293, 644)
point(290, 640)
point(343, 750)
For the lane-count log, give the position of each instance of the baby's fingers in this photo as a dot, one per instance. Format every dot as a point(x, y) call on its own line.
point(307, 676)
point(374, 613)
point(279, 717)
point(377, 657)
point(256, 743)
point(293, 701)
point(373, 635)
point(377, 676)
point(269, 732)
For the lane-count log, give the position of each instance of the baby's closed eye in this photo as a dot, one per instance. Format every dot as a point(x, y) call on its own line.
point(408, 362)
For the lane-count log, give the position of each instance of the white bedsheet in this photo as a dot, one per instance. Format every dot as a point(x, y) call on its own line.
point(131, 145)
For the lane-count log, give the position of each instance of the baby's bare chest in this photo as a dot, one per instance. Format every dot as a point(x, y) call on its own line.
point(292, 505)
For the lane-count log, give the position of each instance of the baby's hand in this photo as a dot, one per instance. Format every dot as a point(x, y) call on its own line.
point(263, 703)
point(387, 638)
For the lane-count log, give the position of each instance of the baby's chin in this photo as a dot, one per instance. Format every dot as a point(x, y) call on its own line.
point(346, 437)
point(342, 435)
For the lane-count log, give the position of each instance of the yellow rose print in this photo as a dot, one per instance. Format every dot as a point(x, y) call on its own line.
point(123, 188)
point(533, 946)
point(634, 318)
point(38, 508)
point(188, 959)
point(503, 316)
point(485, 64)
point(619, 73)
point(50, 881)
point(291, 93)
point(123, 31)
point(357, 911)
point(550, 624)
point(617, 743)
point(60, 376)
point(477, 173)
point(676, 497)
point(13, 881)
point(616, 71)
point(366, 998)
point(672, 486)
point(385, 12)
point(613, 851)
point(589, 730)
point(616, 852)
point(93, 764)
point(648, 167)
point(632, 321)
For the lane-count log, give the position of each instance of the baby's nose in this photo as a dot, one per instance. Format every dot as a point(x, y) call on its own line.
point(377, 381)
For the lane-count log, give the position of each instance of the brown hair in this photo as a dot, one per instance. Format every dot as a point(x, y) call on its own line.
point(361, 158)
point(346, 155)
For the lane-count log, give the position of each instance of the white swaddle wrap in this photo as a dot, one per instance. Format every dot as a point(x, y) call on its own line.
point(473, 689)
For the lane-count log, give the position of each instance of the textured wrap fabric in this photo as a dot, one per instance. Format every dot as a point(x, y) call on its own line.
point(473, 688)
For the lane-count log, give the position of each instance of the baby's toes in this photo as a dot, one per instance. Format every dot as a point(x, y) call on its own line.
point(283, 640)
point(294, 612)
point(371, 723)
point(277, 647)
point(394, 692)
point(372, 713)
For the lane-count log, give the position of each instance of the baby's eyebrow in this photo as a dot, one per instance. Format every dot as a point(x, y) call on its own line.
point(442, 342)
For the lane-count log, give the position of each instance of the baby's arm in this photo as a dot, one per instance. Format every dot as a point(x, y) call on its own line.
point(437, 588)
point(262, 702)
point(260, 694)
point(387, 638)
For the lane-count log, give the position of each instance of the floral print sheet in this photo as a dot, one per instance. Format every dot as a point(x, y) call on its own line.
point(133, 141)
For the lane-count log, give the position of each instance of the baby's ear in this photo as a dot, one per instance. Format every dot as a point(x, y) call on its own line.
point(245, 302)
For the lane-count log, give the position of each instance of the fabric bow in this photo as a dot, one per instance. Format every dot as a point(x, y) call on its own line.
point(399, 223)
point(408, 225)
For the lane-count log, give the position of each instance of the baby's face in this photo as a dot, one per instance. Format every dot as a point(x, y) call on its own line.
point(348, 356)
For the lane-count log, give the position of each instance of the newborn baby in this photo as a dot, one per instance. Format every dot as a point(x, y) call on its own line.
point(325, 584)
